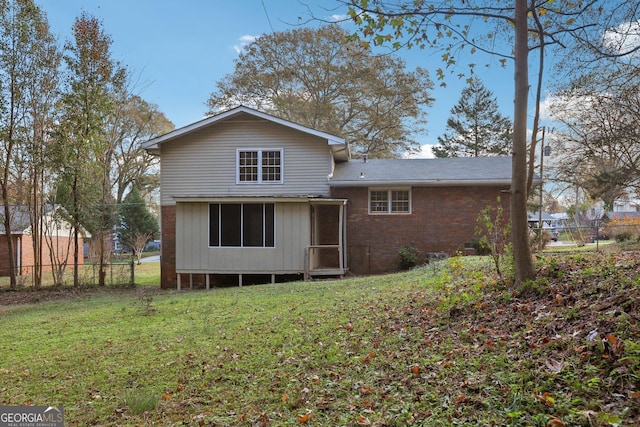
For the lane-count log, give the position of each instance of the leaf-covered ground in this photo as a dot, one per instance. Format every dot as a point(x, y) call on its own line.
point(561, 350)
point(441, 345)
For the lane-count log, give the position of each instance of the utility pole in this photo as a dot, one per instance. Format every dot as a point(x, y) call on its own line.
point(542, 153)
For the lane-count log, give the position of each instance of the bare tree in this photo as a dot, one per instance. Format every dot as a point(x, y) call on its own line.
point(596, 140)
point(82, 152)
point(449, 25)
point(28, 64)
point(134, 121)
point(316, 78)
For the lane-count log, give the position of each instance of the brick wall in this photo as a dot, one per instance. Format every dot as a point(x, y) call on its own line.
point(442, 219)
point(4, 254)
point(27, 254)
point(168, 252)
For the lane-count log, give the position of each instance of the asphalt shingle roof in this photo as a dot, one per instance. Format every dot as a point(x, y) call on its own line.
point(452, 171)
point(20, 220)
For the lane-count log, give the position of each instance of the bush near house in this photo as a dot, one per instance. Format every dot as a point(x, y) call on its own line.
point(408, 255)
point(623, 229)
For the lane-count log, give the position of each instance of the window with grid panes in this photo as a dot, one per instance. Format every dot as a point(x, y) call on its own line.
point(248, 166)
point(378, 201)
point(389, 201)
point(399, 201)
point(259, 166)
point(271, 167)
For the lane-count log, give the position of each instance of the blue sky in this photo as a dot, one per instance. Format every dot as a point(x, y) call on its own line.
point(179, 49)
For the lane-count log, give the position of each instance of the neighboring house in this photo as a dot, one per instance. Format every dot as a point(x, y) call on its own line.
point(246, 196)
point(56, 232)
point(625, 209)
point(548, 220)
point(626, 206)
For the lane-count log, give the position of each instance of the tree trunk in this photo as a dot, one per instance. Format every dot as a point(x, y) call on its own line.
point(523, 262)
point(76, 225)
point(10, 248)
point(102, 268)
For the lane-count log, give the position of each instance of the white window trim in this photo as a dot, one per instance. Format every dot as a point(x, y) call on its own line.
point(259, 151)
point(219, 226)
point(389, 191)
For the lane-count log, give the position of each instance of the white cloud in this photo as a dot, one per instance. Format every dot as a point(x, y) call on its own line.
point(424, 153)
point(339, 18)
point(545, 107)
point(565, 108)
point(244, 41)
point(623, 38)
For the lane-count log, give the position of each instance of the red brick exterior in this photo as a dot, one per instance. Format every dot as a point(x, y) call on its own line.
point(27, 257)
point(169, 278)
point(4, 254)
point(442, 219)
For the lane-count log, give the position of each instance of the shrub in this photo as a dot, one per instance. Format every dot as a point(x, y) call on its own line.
point(538, 239)
point(623, 229)
point(494, 232)
point(481, 246)
point(409, 256)
point(623, 236)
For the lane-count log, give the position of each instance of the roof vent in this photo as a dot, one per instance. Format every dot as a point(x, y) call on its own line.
point(364, 158)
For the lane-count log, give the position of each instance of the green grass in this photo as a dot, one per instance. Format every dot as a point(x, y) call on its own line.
point(439, 345)
point(148, 274)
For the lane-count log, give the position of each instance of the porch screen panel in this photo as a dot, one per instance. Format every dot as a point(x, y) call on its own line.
point(269, 226)
point(231, 225)
point(253, 223)
point(214, 224)
point(242, 225)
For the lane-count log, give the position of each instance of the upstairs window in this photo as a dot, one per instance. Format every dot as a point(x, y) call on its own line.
point(259, 166)
point(389, 201)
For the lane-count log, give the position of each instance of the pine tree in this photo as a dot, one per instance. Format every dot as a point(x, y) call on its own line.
point(476, 127)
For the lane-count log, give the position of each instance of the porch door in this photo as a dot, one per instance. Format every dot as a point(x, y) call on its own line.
point(326, 253)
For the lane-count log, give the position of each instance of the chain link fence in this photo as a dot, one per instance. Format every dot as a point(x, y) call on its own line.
point(586, 237)
point(116, 274)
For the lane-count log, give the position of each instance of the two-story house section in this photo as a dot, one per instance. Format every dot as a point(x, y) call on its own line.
point(245, 197)
point(250, 198)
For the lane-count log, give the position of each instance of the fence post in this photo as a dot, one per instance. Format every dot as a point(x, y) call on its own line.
point(133, 272)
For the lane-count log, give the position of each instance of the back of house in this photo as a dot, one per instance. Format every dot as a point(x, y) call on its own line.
point(247, 197)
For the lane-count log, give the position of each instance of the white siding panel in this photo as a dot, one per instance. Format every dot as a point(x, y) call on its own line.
point(204, 163)
point(192, 231)
point(193, 253)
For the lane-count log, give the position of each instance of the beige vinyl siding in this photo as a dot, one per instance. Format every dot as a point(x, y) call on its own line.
point(194, 255)
point(204, 163)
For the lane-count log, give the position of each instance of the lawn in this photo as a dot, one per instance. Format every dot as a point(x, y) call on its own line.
point(443, 344)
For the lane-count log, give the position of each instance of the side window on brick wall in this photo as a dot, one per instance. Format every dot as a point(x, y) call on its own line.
point(389, 201)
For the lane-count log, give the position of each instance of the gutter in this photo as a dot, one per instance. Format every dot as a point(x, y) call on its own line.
point(430, 183)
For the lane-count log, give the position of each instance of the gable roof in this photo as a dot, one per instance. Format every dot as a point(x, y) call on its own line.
point(21, 221)
point(450, 171)
point(535, 216)
point(337, 145)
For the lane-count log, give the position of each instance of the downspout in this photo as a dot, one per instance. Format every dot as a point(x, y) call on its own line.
point(19, 255)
